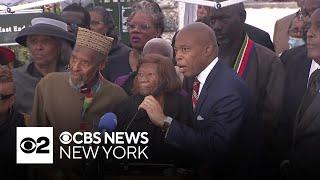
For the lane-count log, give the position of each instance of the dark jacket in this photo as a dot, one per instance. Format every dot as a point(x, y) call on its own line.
point(259, 36)
point(26, 79)
point(223, 134)
point(8, 166)
point(297, 65)
point(118, 62)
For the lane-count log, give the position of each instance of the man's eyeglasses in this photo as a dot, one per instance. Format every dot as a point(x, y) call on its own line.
point(5, 96)
point(142, 27)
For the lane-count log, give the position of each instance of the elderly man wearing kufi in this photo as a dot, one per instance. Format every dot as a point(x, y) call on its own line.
point(43, 39)
point(76, 100)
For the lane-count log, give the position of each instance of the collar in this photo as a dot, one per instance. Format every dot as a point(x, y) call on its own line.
point(87, 87)
point(205, 73)
point(33, 71)
point(314, 66)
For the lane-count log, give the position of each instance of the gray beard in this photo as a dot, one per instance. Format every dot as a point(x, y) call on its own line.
point(76, 87)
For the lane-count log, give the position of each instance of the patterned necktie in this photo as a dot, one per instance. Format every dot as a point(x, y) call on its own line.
point(311, 92)
point(195, 92)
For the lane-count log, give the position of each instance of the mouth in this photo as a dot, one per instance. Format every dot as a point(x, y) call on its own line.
point(135, 39)
point(182, 68)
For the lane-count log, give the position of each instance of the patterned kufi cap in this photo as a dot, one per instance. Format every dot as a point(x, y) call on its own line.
point(94, 41)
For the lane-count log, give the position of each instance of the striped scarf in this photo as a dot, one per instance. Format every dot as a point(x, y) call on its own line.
point(241, 64)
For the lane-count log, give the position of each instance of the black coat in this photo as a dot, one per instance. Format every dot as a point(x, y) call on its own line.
point(297, 65)
point(8, 166)
point(259, 36)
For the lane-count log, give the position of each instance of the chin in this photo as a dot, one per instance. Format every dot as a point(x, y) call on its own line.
point(76, 83)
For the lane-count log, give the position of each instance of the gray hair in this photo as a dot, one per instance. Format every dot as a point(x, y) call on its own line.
point(158, 46)
point(152, 8)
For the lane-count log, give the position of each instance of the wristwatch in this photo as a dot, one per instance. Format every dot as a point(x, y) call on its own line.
point(166, 123)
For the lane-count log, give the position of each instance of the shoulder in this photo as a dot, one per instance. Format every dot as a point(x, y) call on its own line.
point(113, 89)
point(226, 79)
point(265, 54)
point(256, 30)
point(53, 78)
point(286, 19)
point(294, 55)
point(21, 70)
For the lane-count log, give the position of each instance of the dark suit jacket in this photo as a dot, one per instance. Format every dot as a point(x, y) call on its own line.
point(297, 65)
point(306, 143)
point(259, 36)
point(220, 116)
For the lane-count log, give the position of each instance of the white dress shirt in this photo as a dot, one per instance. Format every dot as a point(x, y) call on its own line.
point(314, 66)
point(202, 77)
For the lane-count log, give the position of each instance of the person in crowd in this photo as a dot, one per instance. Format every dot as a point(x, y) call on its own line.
point(102, 22)
point(156, 76)
point(202, 11)
point(222, 106)
point(305, 158)
point(257, 35)
point(9, 120)
point(145, 22)
point(43, 39)
point(76, 100)
point(76, 16)
point(298, 66)
point(7, 57)
point(153, 46)
point(258, 66)
point(296, 29)
point(280, 35)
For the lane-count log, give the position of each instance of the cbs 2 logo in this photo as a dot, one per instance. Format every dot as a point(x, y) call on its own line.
point(29, 145)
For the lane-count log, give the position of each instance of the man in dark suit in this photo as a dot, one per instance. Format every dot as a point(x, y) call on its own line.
point(299, 66)
point(222, 106)
point(259, 36)
point(306, 145)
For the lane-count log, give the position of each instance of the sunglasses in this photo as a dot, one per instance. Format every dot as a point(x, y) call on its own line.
point(5, 96)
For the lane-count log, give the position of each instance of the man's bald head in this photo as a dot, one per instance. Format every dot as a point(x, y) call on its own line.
point(200, 33)
point(195, 48)
point(158, 46)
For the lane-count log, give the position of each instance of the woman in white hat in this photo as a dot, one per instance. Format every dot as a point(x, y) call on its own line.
point(44, 40)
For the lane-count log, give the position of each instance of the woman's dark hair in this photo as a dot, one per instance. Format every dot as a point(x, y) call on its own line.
point(107, 19)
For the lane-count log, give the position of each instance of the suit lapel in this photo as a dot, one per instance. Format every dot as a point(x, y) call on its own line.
point(204, 91)
point(310, 115)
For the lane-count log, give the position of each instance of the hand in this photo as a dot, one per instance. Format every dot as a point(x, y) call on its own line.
point(154, 110)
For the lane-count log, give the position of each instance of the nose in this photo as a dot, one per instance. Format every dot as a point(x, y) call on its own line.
point(38, 46)
point(178, 55)
point(309, 33)
point(75, 66)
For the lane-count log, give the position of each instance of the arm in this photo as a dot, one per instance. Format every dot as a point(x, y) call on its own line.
point(216, 134)
point(38, 116)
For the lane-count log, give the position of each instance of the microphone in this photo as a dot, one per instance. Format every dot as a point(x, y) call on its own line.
point(107, 123)
point(142, 112)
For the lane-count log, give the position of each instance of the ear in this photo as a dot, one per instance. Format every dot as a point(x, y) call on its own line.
point(102, 65)
point(208, 50)
point(243, 16)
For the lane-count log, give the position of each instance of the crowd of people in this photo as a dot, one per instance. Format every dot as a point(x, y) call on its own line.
point(219, 101)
